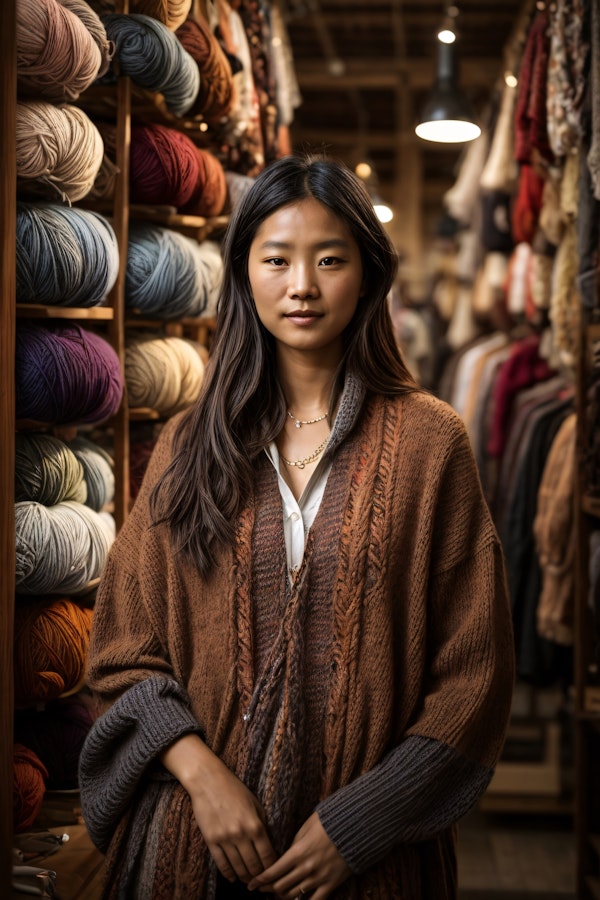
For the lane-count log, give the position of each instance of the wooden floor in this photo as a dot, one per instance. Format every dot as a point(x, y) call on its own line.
point(505, 856)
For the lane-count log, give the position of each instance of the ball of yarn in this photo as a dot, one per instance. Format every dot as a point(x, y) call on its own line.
point(216, 94)
point(65, 375)
point(59, 150)
point(50, 649)
point(93, 23)
point(170, 12)
point(60, 548)
point(168, 274)
point(164, 166)
point(154, 59)
point(65, 256)
point(56, 735)
point(210, 192)
point(47, 471)
point(98, 472)
point(29, 775)
point(164, 374)
point(57, 57)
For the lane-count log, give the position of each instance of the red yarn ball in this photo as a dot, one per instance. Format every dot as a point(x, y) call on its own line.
point(29, 775)
point(164, 166)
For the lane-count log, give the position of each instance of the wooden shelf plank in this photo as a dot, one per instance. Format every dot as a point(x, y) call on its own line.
point(39, 311)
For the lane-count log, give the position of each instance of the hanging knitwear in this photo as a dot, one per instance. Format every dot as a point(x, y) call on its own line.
point(65, 375)
point(57, 57)
point(51, 643)
point(216, 94)
point(65, 256)
point(154, 59)
point(47, 471)
point(60, 548)
point(170, 275)
point(59, 151)
point(29, 775)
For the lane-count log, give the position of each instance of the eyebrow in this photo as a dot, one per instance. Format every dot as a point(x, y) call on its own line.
point(320, 245)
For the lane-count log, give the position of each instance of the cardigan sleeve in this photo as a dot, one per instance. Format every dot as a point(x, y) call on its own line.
point(444, 761)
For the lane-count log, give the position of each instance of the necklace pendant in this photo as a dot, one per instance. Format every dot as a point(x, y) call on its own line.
point(300, 465)
point(298, 423)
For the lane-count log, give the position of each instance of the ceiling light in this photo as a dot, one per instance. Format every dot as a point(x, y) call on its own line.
point(447, 117)
point(446, 36)
point(383, 212)
point(510, 80)
point(363, 170)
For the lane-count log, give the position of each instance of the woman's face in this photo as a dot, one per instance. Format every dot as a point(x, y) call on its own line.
point(306, 277)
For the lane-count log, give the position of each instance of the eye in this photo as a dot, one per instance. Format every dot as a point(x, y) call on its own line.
point(276, 261)
point(330, 261)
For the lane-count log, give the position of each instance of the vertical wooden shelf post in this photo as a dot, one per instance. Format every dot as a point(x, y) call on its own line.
point(8, 192)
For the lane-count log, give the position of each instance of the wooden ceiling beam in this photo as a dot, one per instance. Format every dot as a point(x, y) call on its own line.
point(373, 74)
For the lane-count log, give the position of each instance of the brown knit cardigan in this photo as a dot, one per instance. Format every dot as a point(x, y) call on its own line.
point(396, 633)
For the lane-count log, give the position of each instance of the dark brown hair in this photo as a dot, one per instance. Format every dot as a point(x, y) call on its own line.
point(241, 407)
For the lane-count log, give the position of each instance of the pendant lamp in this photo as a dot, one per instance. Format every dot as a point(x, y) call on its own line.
point(447, 117)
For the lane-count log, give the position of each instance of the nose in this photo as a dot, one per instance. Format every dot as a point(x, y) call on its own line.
point(302, 284)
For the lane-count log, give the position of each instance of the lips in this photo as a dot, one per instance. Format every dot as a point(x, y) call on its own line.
point(303, 314)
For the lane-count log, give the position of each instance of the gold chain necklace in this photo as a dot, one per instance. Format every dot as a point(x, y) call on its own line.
point(301, 463)
point(300, 422)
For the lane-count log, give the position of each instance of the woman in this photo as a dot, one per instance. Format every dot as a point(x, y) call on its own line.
point(302, 637)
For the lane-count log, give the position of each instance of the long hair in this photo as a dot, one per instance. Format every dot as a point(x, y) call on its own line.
point(241, 407)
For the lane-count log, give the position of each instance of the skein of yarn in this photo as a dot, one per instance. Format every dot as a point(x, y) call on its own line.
point(210, 194)
point(93, 23)
point(216, 94)
point(170, 12)
point(59, 150)
point(47, 471)
point(51, 644)
point(65, 256)
point(154, 59)
point(65, 375)
point(57, 56)
point(29, 775)
point(164, 374)
point(163, 166)
point(170, 275)
point(56, 735)
point(98, 472)
point(60, 548)
point(167, 168)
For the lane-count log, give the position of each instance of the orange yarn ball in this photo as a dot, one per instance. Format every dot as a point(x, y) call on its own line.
point(29, 776)
point(51, 643)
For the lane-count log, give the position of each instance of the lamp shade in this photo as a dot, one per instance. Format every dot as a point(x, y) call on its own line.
point(447, 116)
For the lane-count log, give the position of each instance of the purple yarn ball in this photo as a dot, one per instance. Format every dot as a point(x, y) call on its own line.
point(65, 375)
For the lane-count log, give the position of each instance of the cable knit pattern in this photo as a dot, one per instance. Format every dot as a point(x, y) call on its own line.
point(406, 628)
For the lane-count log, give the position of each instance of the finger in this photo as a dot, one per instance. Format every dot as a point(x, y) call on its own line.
point(222, 862)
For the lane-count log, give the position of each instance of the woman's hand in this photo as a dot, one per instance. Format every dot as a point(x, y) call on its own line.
point(231, 819)
point(312, 865)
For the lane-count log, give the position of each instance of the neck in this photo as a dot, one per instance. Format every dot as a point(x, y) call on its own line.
point(306, 387)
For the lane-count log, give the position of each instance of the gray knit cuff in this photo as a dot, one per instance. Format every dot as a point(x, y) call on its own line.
point(419, 789)
point(121, 746)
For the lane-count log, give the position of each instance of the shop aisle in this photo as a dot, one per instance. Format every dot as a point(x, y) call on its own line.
point(516, 857)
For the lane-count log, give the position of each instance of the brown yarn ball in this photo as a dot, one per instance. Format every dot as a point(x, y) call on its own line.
point(50, 648)
point(29, 776)
point(170, 12)
point(216, 94)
